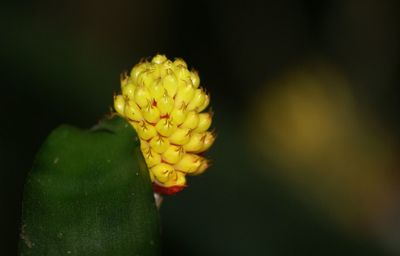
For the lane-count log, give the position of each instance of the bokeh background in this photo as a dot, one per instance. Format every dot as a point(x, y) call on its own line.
point(306, 102)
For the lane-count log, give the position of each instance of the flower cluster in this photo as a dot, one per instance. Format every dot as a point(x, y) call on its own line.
point(163, 101)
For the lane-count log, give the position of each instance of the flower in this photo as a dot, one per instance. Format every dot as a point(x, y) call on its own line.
point(165, 104)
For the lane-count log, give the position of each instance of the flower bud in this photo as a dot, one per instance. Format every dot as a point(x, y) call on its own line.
point(203, 166)
point(181, 136)
point(194, 76)
point(205, 103)
point(184, 95)
point(179, 180)
point(204, 122)
point(151, 113)
point(159, 144)
point(145, 131)
point(162, 171)
point(150, 156)
point(208, 141)
point(142, 96)
point(178, 115)
point(159, 59)
point(173, 154)
point(163, 101)
point(189, 163)
point(165, 127)
point(165, 104)
point(170, 83)
point(129, 91)
point(119, 104)
point(191, 120)
point(195, 142)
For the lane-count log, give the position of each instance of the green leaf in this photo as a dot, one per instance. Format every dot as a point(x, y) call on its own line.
point(89, 193)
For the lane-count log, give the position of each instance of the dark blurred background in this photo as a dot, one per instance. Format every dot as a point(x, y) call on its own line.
point(306, 102)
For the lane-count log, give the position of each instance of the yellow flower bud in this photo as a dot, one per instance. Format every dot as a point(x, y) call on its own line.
point(178, 62)
point(145, 131)
point(208, 141)
point(184, 95)
point(119, 104)
point(204, 122)
point(179, 180)
point(203, 166)
point(194, 76)
point(162, 172)
point(129, 91)
point(163, 101)
point(132, 111)
point(159, 59)
point(142, 96)
point(151, 113)
point(150, 156)
point(189, 163)
point(205, 103)
point(137, 70)
point(191, 120)
point(182, 73)
point(145, 79)
point(195, 142)
point(173, 154)
point(181, 136)
point(197, 100)
point(157, 90)
point(165, 127)
point(170, 83)
point(178, 115)
point(159, 144)
point(165, 104)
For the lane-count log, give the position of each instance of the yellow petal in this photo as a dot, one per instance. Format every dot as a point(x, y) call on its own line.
point(184, 95)
point(165, 104)
point(145, 79)
point(162, 172)
point(137, 70)
point(151, 113)
point(173, 154)
point(180, 136)
point(195, 143)
point(165, 127)
point(178, 180)
point(170, 84)
point(150, 156)
point(205, 103)
point(197, 100)
point(159, 59)
point(208, 141)
point(142, 96)
point(191, 120)
point(157, 90)
point(178, 115)
point(189, 163)
point(194, 76)
point(159, 144)
point(124, 79)
point(145, 131)
point(202, 168)
point(178, 62)
point(129, 91)
point(119, 104)
point(204, 122)
point(132, 111)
